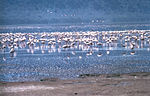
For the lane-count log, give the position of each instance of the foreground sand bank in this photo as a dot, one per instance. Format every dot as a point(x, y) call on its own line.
point(133, 84)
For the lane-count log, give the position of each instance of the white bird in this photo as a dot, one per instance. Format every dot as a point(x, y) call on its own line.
point(12, 50)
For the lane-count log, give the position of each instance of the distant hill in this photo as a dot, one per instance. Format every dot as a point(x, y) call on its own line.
point(74, 11)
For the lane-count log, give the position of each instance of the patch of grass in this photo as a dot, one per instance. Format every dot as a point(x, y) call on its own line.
point(145, 75)
point(88, 75)
point(106, 84)
point(133, 74)
point(113, 75)
point(140, 74)
point(3, 83)
point(49, 79)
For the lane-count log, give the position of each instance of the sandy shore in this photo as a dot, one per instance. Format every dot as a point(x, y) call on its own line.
point(133, 84)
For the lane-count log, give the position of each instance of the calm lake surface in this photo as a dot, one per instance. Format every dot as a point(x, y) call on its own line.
point(31, 53)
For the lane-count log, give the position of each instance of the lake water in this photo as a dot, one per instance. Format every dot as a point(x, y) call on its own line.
point(70, 50)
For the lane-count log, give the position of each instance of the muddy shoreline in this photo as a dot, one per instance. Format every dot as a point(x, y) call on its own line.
point(131, 84)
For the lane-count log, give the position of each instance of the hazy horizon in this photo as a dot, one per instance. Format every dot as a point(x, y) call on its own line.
point(74, 11)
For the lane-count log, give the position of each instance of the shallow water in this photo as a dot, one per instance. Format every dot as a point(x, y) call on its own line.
point(32, 62)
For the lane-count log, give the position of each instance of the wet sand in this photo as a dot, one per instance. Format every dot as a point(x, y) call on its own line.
point(133, 84)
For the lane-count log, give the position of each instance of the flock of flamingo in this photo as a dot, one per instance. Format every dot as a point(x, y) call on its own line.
point(89, 41)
